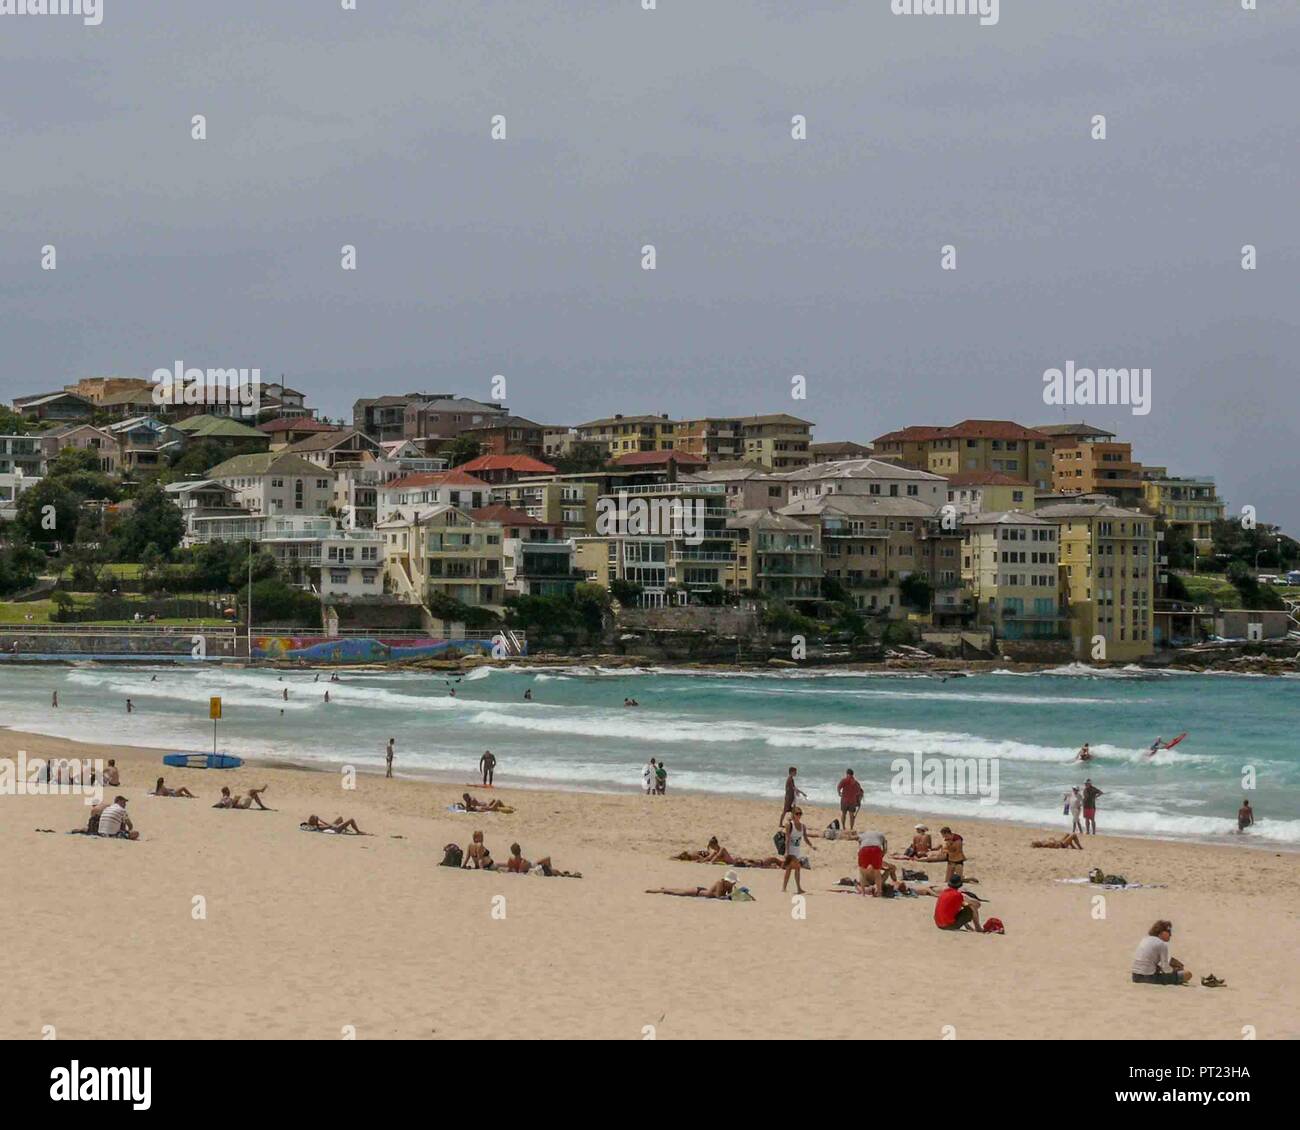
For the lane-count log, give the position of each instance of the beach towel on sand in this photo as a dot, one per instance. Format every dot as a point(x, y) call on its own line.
point(1116, 886)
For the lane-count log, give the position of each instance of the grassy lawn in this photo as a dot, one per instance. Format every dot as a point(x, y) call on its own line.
point(1207, 587)
point(41, 612)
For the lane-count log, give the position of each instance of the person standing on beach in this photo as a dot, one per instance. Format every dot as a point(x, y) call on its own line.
point(661, 779)
point(796, 835)
point(388, 757)
point(791, 792)
point(1090, 795)
point(1076, 808)
point(648, 777)
point(850, 791)
point(487, 765)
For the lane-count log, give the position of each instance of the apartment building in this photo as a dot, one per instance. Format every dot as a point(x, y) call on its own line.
point(22, 454)
point(424, 490)
point(1191, 502)
point(568, 505)
point(442, 551)
point(778, 441)
point(714, 439)
point(871, 477)
point(537, 560)
point(1011, 565)
point(776, 554)
point(510, 435)
point(668, 560)
point(872, 543)
point(747, 488)
point(1109, 568)
point(973, 445)
point(81, 437)
point(316, 552)
point(557, 441)
point(356, 494)
point(988, 492)
point(95, 389)
point(1097, 465)
point(276, 483)
point(383, 418)
point(621, 434)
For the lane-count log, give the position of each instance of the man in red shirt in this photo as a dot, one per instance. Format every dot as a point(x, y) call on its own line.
point(850, 798)
point(954, 911)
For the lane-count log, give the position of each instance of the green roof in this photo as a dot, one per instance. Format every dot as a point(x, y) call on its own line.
point(264, 462)
point(218, 427)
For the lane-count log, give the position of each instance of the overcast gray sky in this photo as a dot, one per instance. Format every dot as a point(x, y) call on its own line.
point(672, 127)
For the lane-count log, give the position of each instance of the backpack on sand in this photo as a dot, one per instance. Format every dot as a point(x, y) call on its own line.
point(452, 856)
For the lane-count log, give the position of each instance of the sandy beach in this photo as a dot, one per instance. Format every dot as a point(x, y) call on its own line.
point(309, 936)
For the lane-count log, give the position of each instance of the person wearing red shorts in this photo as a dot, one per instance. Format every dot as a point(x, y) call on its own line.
point(872, 867)
point(850, 791)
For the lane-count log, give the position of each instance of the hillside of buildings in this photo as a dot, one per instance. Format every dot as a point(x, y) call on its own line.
point(715, 540)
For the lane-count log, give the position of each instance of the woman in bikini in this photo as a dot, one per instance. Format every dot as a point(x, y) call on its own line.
point(338, 824)
point(478, 856)
point(1071, 840)
point(162, 790)
point(720, 890)
point(473, 804)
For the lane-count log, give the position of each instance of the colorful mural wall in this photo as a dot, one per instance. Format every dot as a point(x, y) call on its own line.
point(362, 649)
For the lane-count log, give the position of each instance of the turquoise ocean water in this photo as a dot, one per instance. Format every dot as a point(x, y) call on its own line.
point(736, 733)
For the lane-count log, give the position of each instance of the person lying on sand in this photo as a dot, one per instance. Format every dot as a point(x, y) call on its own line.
point(162, 790)
point(473, 804)
point(720, 890)
point(716, 853)
point(477, 856)
point(1069, 840)
point(338, 824)
point(518, 865)
point(254, 797)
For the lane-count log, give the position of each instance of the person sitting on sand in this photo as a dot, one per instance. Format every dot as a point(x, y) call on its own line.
point(922, 843)
point(114, 822)
point(954, 911)
point(720, 890)
point(254, 797)
point(473, 804)
point(1152, 952)
point(477, 856)
point(111, 777)
point(162, 790)
point(338, 824)
point(1069, 840)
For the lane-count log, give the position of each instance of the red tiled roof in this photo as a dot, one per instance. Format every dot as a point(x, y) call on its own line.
point(916, 433)
point(525, 464)
point(456, 478)
point(650, 458)
point(967, 429)
point(991, 429)
point(984, 478)
point(297, 424)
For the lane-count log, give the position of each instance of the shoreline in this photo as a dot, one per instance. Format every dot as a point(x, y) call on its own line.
point(451, 779)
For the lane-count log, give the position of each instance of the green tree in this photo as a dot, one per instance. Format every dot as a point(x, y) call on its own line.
point(47, 512)
point(915, 591)
point(625, 592)
point(12, 423)
point(460, 450)
point(154, 520)
point(581, 458)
